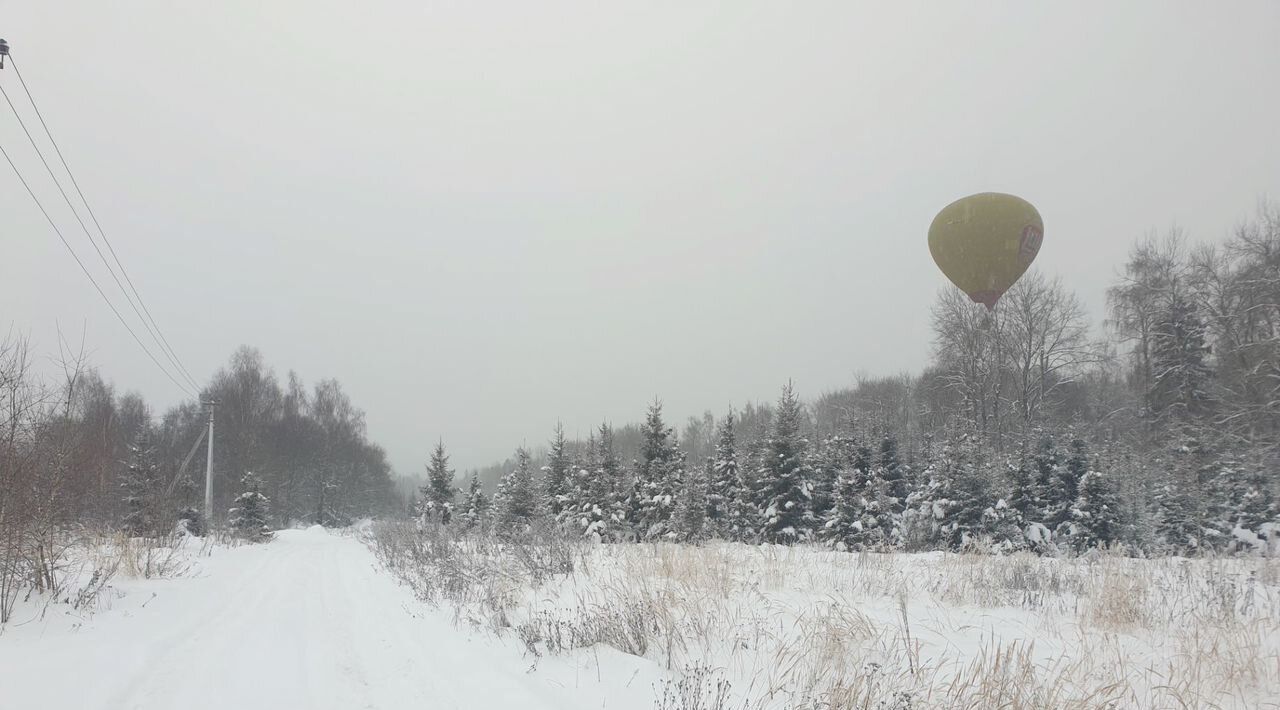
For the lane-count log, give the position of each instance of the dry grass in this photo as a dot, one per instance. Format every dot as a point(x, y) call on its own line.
point(79, 569)
point(798, 627)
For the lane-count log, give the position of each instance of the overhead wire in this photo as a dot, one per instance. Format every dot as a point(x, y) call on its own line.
point(94, 217)
point(89, 275)
point(139, 306)
point(57, 183)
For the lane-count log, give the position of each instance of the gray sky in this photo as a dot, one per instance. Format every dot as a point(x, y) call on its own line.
point(483, 217)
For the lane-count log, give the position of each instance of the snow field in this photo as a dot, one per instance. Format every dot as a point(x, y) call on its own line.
point(387, 616)
point(736, 626)
point(308, 620)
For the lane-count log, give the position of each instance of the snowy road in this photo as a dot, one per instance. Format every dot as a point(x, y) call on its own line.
point(307, 621)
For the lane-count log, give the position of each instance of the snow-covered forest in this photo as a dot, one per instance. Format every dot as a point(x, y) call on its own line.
point(1032, 429)
point(76, 457)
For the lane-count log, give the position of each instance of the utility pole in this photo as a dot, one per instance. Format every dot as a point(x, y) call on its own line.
point(208, 469)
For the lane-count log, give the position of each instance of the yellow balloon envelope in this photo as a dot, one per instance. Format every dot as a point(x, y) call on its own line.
point(985, 242)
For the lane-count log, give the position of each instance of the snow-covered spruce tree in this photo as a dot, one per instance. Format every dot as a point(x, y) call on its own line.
point(556, 475)
point(516, 503)
point(785, 483)
point(1095, 518)
point(869, 535)
point(1021, 516)
point(893, 471)
point(1179, 362)
point(248, 519)
point(891, 490)
point(657, 477)
point(1178, 529)
point(843, 528)
point(1054, 500)
point(475, 507)
point(748, 513)
point(927, 506)
point(971, 515)
point(1257, 511)
point(1240, 501)
point(575, 499)
point(688, 522)
point(596, 508)
point(826, 476)
point(141, 486)
point(754, 498)
point(609, 488)
point(1023, 500)
point(725, 485)
point(438, 494)
point(1076, 466)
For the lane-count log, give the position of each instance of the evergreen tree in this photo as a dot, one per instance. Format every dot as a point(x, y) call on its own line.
point(889, 488)
point(690, 517)
point(609, 487)
point(1055, 500)
point(927, 506)
point(476, 505)
point(248, 519)
point(785, 483)
point(892, 471)
point(971, 514)
point(844, 525)
point(438, 493)
point(1177, 527)
point(516, 502)
point(577, 491)
point(599, 510)
point(725, 485)
point(748, 511)
point(868, 488)
point(1095, 518)
point(657, 477)
point(1076, 467)
point(557, 474)
point(1241, 502)
point(826, 474)
point(1256, 507)
point(141, 485)
point(1179, 362)
point(1182, 504)
point(1023, 500)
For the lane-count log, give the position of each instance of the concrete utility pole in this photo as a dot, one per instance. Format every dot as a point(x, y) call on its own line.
point(208, 469)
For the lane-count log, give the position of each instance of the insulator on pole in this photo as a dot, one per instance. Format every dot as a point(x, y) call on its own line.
point(4, 52)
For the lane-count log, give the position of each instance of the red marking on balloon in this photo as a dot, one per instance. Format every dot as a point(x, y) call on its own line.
point(1029, 245)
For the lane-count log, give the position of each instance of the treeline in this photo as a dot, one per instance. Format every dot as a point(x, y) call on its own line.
point(75, 454)
point(307, 446)
point(1027, 431)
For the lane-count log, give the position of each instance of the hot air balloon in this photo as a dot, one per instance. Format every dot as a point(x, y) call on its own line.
point(985, 242)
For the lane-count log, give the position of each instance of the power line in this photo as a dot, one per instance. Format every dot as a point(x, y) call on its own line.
point(94, 217)
point(147, 321)
point(92, 280)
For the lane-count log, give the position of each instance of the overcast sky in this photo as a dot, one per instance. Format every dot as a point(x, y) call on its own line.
point(484, 217)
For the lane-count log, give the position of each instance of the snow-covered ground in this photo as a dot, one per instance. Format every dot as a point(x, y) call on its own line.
point(803, 627)
point(305, 621)
point(314, 620)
